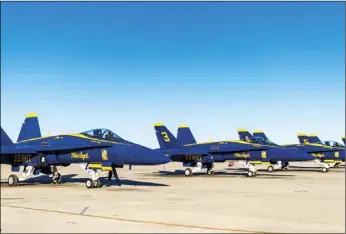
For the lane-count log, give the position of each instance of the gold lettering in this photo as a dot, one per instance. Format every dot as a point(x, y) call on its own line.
point(80, 155)
point(242, 155)
point(318, 155)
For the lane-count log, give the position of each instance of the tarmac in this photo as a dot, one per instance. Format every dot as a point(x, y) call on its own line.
point(161, 199)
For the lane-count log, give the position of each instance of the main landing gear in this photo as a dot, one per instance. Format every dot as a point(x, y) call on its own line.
point(94, 177)
point(278, 166)
point(13, 179)
point(210, 169)
point(324, 166)
point(252, 170)
point(56, 179)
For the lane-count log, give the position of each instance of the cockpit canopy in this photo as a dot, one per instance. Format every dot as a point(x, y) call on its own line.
point(103, 134)
point(331, 143)
point(262, 141)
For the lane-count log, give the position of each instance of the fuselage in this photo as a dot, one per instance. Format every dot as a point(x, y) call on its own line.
point(234, 150)
point(78, 148)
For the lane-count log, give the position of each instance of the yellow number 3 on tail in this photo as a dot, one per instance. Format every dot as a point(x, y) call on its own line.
point(165, 136)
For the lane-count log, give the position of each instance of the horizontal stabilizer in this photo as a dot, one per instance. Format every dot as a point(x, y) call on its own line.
point(5, 139)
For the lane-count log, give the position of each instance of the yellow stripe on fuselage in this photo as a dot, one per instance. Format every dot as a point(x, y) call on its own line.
point(77, 135)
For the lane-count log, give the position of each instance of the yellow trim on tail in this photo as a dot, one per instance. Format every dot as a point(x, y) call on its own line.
point(312, 135)
point(242, 130)
point(158, 124)
point(183, 126)
point(31, 115)
point(301, 134)
point(258, 131)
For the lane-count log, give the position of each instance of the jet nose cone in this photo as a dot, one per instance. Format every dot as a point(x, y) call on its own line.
point(153, 157)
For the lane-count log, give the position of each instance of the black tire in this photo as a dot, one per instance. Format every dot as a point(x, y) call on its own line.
point(325, 170)
point(270, 169)
point(57, 179)
point(97, 184)
point(13, 180)
point(188, 172)
point(89, 184)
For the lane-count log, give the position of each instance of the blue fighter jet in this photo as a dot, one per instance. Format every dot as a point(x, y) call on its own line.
point(94, 150)
point(325, 155)
point(197, 156)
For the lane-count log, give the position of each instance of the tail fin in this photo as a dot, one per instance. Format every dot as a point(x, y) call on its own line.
point(244, 135)
point(312, 138)
point(165, 137)
point(5, 139)
point(30, 128)
point(185, 135)
point(343, 139)
point(303, 138)
point(260, 133)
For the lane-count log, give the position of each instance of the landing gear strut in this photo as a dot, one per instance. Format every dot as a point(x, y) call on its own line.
point(56, 179)
point(252, 170)
point(13, 179)
point(210, 169)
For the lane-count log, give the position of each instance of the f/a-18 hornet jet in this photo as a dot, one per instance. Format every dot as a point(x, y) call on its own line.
point(325, 155)
point(95, 150)
point(197, 156)
point(185, 136)
point(314, 139)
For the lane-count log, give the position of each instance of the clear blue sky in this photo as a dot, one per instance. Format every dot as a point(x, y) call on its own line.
point(279, 67)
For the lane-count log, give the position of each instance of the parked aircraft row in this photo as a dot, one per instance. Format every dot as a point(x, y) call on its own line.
point(101, 150)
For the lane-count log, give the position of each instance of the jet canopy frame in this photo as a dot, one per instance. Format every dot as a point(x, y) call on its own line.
point(102, 133)
point(331, 143)
point(262, 141)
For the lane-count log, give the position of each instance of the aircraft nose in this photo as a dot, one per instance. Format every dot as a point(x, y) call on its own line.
point(297, 155)
point(290, 154)
point(153, 157)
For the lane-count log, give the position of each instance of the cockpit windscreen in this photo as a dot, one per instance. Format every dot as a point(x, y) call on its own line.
point(103, 134)
point(331, 143)
point(262, 141)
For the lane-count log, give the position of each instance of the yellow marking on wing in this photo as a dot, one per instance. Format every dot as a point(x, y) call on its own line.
point(183, 126)
point(31, 115)
point(158, 124)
